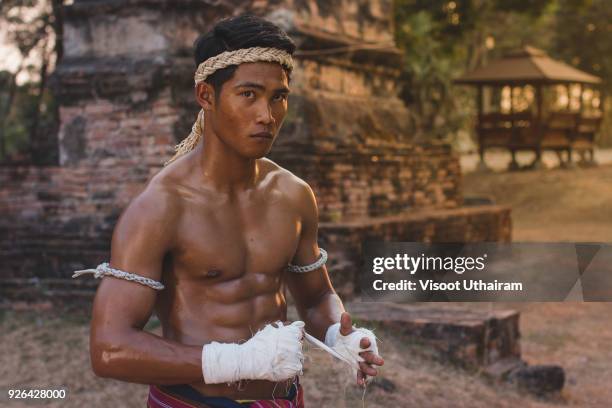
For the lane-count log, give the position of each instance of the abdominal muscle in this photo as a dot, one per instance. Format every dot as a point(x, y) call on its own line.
point(202, 320)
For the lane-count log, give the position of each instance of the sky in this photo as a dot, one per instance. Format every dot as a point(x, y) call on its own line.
point(10, 57)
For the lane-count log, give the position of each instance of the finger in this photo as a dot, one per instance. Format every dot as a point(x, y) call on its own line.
point(361, 379)
point(372, 358)
point(346, 324)
point(364, 343)
point(367, 369)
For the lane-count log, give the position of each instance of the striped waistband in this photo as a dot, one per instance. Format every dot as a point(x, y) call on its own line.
point(184, 396)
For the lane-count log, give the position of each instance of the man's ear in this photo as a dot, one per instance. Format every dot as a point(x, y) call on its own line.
point(205, 95)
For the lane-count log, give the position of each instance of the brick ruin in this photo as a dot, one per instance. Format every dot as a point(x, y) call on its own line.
point(126, 94)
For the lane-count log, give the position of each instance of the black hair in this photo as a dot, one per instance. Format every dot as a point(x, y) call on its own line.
point(243, 31)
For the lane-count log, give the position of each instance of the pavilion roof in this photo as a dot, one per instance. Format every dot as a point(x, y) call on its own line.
point(527, 65)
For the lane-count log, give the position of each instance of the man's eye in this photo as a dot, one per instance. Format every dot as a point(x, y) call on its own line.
point(248, 94)
point(280, 97)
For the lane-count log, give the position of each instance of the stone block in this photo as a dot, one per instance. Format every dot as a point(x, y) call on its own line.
point(467, 337)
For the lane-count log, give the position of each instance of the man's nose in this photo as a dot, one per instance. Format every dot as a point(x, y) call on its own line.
point(264, 114)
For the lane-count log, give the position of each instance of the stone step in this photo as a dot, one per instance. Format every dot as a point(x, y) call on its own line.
point(469, 337)
point(503, 368)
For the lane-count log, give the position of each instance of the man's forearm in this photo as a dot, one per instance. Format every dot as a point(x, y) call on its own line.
point(322, 314)
point(142, 357)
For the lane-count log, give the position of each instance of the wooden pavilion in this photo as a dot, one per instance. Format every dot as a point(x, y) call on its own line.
point(528, 101)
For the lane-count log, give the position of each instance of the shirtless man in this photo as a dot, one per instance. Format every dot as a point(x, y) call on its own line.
point(218, 227)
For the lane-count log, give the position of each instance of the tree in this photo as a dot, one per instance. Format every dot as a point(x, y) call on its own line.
point(583, 37)
point(441, 39)
point(35, 27)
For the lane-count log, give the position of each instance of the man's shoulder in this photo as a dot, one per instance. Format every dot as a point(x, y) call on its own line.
point(297, 191)
point(157, 201)
point(286, 180)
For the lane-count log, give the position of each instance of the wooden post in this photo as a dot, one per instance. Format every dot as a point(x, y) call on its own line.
point(579, 120)
point(513, 164)
point(539, 124)
point(479, 123)
point(539, 103)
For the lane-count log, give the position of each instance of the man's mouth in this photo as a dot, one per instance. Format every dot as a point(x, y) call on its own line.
point(262, 135)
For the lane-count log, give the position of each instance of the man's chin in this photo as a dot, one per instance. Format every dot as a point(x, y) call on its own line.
point(257, 154)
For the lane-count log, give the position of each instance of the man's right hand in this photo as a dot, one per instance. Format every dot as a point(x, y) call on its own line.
point(273, 353)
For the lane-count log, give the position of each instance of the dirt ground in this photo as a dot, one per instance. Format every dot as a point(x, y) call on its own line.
point(49, 349)
point(560, 205)
point(551, 205)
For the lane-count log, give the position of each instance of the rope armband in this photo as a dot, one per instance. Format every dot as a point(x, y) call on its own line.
point(311, 267)
point(105, 269)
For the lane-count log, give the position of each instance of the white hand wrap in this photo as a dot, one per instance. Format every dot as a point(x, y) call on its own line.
point(273, 353)
point(349, 346)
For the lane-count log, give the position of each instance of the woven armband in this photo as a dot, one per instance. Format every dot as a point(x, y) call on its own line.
point(313, 266)
point(105, 269)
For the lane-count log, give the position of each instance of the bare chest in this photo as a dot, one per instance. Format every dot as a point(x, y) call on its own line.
point(227, 241)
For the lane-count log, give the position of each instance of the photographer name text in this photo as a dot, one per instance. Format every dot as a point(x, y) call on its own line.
point(436, 264)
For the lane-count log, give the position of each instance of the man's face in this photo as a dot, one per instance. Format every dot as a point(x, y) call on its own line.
point(251, 108)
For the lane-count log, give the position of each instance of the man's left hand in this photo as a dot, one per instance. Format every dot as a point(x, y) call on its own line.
point(366, 368)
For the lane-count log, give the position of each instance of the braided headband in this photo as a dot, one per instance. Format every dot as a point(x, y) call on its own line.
point(224, 60)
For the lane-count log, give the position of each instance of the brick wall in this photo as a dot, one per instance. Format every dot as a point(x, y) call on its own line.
point(489, 223)
point(125, 101)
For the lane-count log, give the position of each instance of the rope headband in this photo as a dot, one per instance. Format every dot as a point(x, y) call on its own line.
point(224, 60)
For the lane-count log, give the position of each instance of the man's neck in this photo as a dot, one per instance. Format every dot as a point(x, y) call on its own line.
point(223, 169)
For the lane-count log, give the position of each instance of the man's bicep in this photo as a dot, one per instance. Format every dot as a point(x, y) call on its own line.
point(308, 286)
point(142, 237)
point(140, 241)
point(307, 250)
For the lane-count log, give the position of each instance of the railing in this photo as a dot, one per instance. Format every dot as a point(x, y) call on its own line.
point(521, 130)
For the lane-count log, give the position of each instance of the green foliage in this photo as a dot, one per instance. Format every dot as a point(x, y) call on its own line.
point(28, 109)
point(430, 63)
point(441, 39)
point(18, 121)
point(583, 37)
